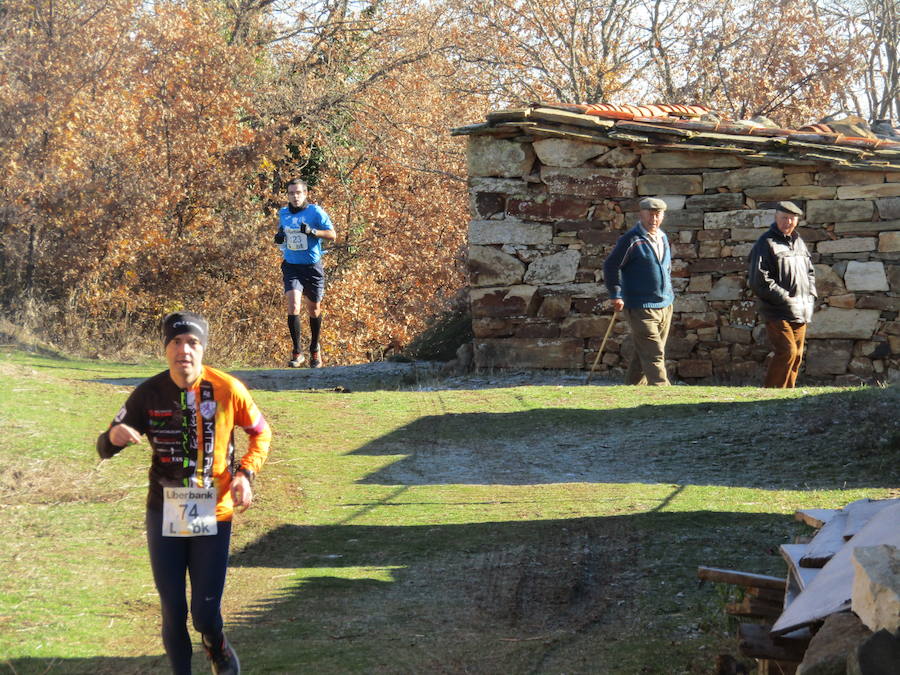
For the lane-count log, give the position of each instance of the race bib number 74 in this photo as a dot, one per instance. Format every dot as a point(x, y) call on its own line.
point(189, 512)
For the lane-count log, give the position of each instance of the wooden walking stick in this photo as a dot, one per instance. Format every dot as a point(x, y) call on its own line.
point(612, 320)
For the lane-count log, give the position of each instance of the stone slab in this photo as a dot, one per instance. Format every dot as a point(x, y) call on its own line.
point(618, 157)
point(720, 201)
point(509, 231)
point(848, 245)
point(581, 182)
point(888, 208)
point(889, 242)
point(489, 156)
point(854, 324)
point(558, 353)
point(848, 177)
point(741, 219)
point(691, 302)
point(834, 211)
point(869, 191)
point(584, 326)
point(828, 281)
point(503, 302)
point(779, 193)
point(865, 276)
point(727, 288)
point(827, 357)
point(489, 266)
point(689, 160)
point(557, 268)
point(740, 179)
point(875, 594)
point(694, 368)
point(867, 226)
point(563, 152)
point(661, 184)
point(507, 186)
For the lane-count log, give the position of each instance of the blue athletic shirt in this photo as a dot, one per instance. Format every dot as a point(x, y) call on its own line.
point(301, 249)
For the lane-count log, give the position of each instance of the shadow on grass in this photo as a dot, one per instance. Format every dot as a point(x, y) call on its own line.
point(585, 595)
point(833, 440)
point(98, 665)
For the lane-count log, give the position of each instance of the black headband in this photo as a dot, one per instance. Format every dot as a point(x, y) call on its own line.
point(177, 323)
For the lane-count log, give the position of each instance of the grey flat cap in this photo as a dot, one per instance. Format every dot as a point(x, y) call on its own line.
point(653, 204)
point(789, 207)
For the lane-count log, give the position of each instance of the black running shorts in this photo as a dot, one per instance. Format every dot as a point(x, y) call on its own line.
point(307, 278)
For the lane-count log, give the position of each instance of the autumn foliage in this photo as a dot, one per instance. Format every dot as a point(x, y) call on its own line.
point(144, 146)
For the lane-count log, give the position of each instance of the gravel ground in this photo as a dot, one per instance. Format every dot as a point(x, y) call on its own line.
point(417, 375)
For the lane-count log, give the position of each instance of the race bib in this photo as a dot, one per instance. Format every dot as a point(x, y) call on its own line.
point(295, 240)
point(189, 512)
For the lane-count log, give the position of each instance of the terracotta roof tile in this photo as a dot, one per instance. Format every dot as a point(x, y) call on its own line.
point(695, 125)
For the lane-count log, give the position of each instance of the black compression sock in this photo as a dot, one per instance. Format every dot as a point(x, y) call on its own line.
point(315, 325)
point(294, 327)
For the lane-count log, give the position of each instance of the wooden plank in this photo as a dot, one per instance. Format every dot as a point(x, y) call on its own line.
point(830, 590)
point(737, 578)
point(769, 594)
point(510, 115)
point(815, 517)
point(754, 607)
point(768, 667)
point(792, 553)
point(862, 511)
point(828, 541)
point(756, 642)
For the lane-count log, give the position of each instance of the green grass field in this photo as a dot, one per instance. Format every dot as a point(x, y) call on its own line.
point(423, 529)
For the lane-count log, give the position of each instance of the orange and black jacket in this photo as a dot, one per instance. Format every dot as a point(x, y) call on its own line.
point(191, 432)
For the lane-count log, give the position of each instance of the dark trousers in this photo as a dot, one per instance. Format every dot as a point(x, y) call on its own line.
point(205, 559)
point(787, 340)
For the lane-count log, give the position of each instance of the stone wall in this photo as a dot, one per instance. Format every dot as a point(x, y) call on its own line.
point(547, 211)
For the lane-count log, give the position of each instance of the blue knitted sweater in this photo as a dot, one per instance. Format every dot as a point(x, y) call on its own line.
point(633, 273)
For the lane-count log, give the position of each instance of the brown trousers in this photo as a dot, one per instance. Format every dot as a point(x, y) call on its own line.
point(649, 331)
point(787, 340)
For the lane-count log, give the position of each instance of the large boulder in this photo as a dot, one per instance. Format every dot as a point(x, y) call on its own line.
point(831, 645)
point(876, 586)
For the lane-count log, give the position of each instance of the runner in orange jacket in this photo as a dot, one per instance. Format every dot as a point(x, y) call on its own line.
point(188, 414)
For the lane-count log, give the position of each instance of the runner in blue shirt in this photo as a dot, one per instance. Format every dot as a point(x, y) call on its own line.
point(301, 228)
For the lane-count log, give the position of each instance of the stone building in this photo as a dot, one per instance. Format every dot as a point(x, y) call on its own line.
point(553, 186)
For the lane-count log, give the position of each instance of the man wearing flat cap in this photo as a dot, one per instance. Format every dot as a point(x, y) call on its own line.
point(783, 278)
point(638, 276)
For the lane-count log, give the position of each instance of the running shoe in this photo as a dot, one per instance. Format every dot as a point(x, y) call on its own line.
point(296, 360)
point(222, 659)
point(315, 359)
